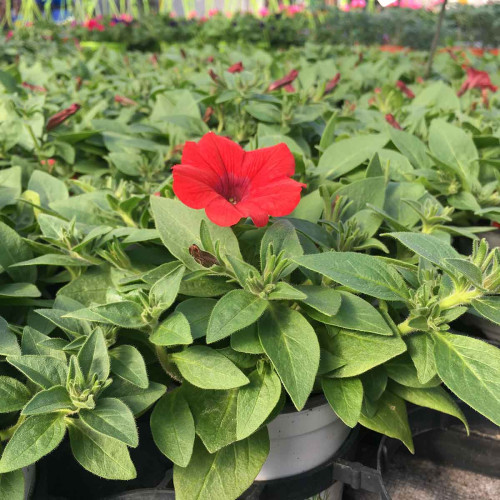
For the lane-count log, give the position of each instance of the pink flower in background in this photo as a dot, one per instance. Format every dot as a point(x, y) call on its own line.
point(358, 4)
point(93, 25)
point(9, 35)
point(172, 15)
point(345, 7)
point(192, 15)
point(295, 9)
point(212, 12)
point(263, 12)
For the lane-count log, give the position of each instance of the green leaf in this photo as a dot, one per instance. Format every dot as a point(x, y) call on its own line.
point(403, 371)
point(164, 291)
point(13, 394)
point(467, 269)
point(14, 250)
point(19, 290)
point(48, 187)
point(48, 401)
point(360, 272)
point(33, 439)
point(206, 368)
point(363, 351)
point(285, 291)
point(8, 340)
point(489, 307)
point(179, 228)
point(455, 148)
point(12, 485)
point(345, 396)
point(136, 398)
point(238, 464)
point(427, 246)
point(53, 259)
point(256, 401)
point(374, 383)
point(103, 456)
point(291, 344)
point(421, 350)
point(214, 414)
point(390, 419)
point(283, 238)
point(126, 314)
point(343, 156)
point(247, 340)
point(355, 314)
point(471, 369)
point(93, 356)
point(435, 398)
point(324, 300)
point(112, 418)
point(197, 311)
point(411, 147)
point(128, 363)
point(175, 330)
point(44, 371)
point(233, 312)
point(172, 426)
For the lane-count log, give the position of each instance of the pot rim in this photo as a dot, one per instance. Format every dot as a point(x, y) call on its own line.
point(314, 401)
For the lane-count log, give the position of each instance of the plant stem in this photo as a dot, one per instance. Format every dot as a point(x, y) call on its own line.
point(459, 298)
point(435, 40)
point(165, 363)
point(6, 434)
point(405, 328)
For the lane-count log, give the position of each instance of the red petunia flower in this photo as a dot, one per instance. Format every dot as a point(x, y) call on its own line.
point(229, 183)
point(36, 88)
point(285, 81)
point(402, 86)
point(125, 101)
point(392, 121)
point(56, 120)
point(476, 79)
point(236, 68)
point(331, 84)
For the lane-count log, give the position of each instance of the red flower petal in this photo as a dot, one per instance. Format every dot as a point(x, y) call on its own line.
point(218, 175)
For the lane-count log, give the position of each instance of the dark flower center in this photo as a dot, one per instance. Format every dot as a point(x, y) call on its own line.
point(233, 188)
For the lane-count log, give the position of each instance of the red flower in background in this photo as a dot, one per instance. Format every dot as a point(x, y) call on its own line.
point(330, 85)
point(402, 86)
point(285, 82)
point(93, 24)
point(392, 121)
point(56, 120)
point(476, 79)
point(236, 68)
point(36, 88)
point(229, 183)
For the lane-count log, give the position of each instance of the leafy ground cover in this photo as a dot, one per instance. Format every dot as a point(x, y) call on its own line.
point(119, 279)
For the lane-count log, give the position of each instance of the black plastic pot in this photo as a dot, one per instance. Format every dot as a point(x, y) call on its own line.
point(61, 477)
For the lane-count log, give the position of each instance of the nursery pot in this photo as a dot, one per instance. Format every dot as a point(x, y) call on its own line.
point(303, 440)
point(492, 237)
point(29, 481)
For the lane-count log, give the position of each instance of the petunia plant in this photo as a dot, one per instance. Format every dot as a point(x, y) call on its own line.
point(201, 282)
